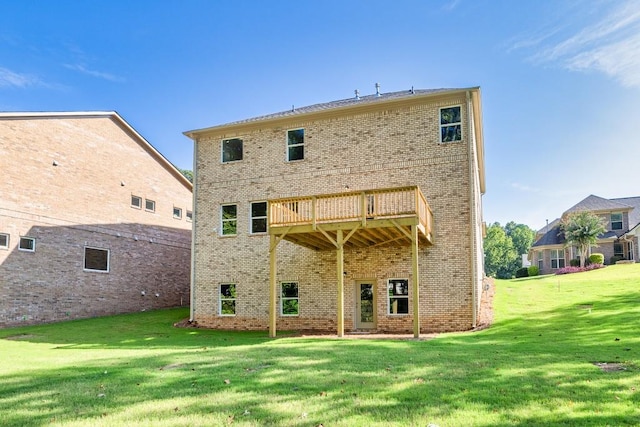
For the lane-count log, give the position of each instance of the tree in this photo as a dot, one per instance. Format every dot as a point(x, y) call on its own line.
point(522, 238)
point(187, 173)
point(499, 253)
point(581, 229)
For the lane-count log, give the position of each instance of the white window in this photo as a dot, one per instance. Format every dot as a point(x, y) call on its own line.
point(227, 299)
point(189, 216)
point(96, 259)
point(295, 144)
point(616, 221)
point(177, 213)
point(450, 124)
point(398, 292)
point(136, 202)
point(231, 150)
point(4, 241)
point(229, 220)
point(258, 217)
point(557, 258)
point(149, 205)
point(27, 244)
point(540, 259)
point(289, 302)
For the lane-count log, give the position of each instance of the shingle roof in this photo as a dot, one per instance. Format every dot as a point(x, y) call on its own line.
point(595, 203)
point(554, 236)
point(548, 227)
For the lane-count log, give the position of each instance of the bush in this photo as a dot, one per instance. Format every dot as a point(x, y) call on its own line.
point(615, 259)
point(574, 262)
point(569, 270)
point(596, 258)
point(522, 272)
point(533, 270)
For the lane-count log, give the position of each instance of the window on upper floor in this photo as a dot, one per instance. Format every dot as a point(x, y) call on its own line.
point(189, 216)
point(96, 259)
point(136, 202)
point(227, 299)
point(231, 150)
point(27, 244)
point(289, 301)
point(616, 221)
point(149, 205)
point(398, 294)
point(557, 258)
point(258, 217)
point(4, 241)
point(450, 124)
point(295, 144)
point(229, 220)
point(177, 213)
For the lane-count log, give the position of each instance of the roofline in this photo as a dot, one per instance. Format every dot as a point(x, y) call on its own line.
point(106, 114)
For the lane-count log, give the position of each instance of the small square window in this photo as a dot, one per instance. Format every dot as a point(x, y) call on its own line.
point(450, 124)
point(289, 301)
point(189, 216)
point(227, 299)
point(177, 213)
point(27, 244)
point(258, 217)
point(96, 259)
point(229, 219)
point(136, 202)
point(295, 144)
point(150, 205)
point(4, 241)
point(398, 290)
point(231, 150)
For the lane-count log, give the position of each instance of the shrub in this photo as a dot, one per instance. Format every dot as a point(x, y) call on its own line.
point(596, 258)
point(533, 270)
point(522, 272)
point(569, 270)
point(574, 262)
point(615, 259)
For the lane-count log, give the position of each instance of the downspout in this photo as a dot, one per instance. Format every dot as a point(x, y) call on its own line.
point(472, 186)
point(192, 296)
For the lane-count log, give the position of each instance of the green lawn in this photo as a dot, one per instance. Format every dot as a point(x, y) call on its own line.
point(535, 366)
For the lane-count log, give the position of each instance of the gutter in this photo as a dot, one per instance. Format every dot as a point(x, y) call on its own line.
point(192, 293)
point(472, 182)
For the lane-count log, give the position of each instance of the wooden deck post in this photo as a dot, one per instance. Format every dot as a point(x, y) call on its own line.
point(340, 274)
point(272, 286)
point(416, 281)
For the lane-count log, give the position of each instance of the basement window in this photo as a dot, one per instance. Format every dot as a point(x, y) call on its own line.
point(227, 299)
point(295, 144)
point(4, 241)
point(189, 216)
point(27, 244)
point(450, 124)
point(231, 150)
point(149, 205)
point(398, 292)
point(136, 202)
point(96, 259)
point(289, 299)
point(258, 217)
point(177, 213)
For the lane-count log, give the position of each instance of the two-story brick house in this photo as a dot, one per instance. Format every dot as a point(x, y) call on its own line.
point(93, 219)
point(361, 215)
point(621, 218)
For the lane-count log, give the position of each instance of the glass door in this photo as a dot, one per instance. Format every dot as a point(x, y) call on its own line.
point(365, 316)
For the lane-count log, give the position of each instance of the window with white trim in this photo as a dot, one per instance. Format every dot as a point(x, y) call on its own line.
point(149, 205)
point(4, 241)
point(450, 124)
point(540, 260)
point(136, 202)
point(289, 301)
point(27, 244)
point(227, 299)
point(177, 213)
point(295, 144)
point(616, 221)
point(96, 259)
point(557, 258)
point(231, 150)
point(398, 295)
point(229, 220)
point(618, 250)
point(258, 217)
point(189, 216)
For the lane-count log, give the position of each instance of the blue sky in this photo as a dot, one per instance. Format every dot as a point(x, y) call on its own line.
point(560, 79)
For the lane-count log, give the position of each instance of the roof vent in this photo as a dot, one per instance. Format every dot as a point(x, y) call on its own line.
point(357, 92)
point(377, 89)
point(413, 92)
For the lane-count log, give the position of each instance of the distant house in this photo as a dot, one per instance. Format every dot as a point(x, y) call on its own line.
point(93, 220)
point(362, 214)
point(620, 241)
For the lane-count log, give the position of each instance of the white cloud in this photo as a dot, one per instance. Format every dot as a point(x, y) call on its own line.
point(10, 78)
point(99, 74)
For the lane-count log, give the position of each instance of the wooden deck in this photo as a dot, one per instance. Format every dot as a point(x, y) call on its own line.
point(371, 218)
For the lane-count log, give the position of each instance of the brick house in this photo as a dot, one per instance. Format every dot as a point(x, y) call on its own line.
point(356, 215)
point(620, 242)
point(93, 220)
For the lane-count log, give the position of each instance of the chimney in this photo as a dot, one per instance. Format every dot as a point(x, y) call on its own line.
point(377, 89)
point(357, 92)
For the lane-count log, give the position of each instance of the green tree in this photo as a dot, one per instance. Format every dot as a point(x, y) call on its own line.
point(187, 173)
point(499, 253)
point(581, 229)
point(522, 238)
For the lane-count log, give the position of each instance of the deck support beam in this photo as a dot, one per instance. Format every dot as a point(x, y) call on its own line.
point(416, 281)
point(340, 274)
point(272, 284)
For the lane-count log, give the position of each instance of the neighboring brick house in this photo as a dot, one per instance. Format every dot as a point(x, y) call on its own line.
point(93, 220)
point(620, 242)
point(361, 215)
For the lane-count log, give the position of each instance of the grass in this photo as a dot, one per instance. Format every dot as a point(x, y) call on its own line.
point(535, 366)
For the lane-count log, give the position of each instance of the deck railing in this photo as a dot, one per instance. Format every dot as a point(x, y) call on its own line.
point(354, 206)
